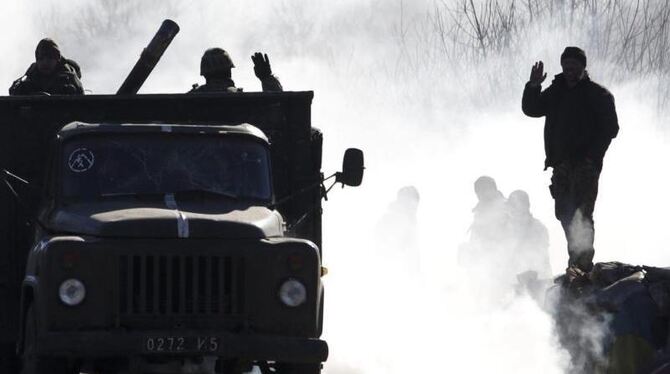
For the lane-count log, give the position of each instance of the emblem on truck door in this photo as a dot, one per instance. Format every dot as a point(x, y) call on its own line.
point(81, 160)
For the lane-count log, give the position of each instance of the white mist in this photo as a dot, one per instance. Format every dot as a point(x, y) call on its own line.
point(379, 87)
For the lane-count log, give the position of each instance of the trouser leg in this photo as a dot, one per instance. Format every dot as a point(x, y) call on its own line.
point(574, 188)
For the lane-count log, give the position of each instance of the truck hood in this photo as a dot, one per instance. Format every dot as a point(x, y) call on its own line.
point(188, 220)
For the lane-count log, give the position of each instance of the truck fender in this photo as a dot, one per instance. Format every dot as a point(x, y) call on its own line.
point(319, 321)
point(28, 296)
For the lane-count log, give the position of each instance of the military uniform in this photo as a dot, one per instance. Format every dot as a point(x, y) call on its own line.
point(223, 85)
point(216, 65)
point(63, 81)
point(574, 187)
point(269, 84)
point(51, 73)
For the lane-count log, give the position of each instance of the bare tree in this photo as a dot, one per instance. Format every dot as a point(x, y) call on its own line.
point(630, 38)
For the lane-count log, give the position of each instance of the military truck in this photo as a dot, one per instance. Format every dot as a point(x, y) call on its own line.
point(163, 233)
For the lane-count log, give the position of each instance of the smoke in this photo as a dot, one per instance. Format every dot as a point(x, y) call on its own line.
point(391, 79)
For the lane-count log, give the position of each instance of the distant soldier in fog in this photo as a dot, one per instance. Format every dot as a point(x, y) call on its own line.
point(51, 73)
point(580, 123)
point(487, 231)
point(216, 66)
point(528, 237)
point(398, 226)
point(489, 213)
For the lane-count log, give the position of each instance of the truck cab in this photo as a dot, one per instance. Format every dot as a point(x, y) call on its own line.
point(164, 233)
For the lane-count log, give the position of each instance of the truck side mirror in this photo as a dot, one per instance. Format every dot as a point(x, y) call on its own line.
point(352, 168)
point(351, 175)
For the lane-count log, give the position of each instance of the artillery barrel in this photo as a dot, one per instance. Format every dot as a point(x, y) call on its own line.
point(149, 58)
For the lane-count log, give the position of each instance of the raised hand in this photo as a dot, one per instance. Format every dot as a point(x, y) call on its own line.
point(537, 74)
point(262, 67)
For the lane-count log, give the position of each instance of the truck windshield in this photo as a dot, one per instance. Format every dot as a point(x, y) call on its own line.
point(124, 164)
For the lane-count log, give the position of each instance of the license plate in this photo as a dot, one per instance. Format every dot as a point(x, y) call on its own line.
point(176, 344)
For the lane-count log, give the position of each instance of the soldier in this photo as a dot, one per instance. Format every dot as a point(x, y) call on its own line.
point(580, 123)
point(489, 213)
point(529, 238)
point(216, 66)
point(400, 218)
point(398, 228)
point(51, 73)
point(487, 231)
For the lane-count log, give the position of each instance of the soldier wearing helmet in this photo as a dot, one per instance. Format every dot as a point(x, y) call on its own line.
point(51, 73)
point(216, 66)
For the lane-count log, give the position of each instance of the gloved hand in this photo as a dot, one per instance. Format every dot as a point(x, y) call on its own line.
point(262, 67)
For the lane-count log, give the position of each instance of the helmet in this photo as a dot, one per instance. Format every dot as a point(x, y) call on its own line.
point(215, 60)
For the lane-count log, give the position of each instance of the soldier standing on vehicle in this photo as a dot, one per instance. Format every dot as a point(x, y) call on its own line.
point(216, 66)
point(580, 123)
point(51, 73)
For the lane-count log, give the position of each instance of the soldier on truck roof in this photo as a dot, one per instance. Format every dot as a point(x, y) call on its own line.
point(216, 66)
point(580, 122)
point(51, 73)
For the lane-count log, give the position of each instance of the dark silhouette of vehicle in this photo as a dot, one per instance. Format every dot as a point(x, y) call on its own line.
point(162, 233)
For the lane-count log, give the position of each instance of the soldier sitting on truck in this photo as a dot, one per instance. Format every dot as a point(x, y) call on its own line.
point(51, 73)
point(216, 66)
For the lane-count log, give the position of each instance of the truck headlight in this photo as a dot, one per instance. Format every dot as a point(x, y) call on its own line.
point(72, 292)
point(292, 293)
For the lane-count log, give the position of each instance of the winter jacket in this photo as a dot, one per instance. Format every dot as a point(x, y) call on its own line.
point(63, 81)
point(580, 122)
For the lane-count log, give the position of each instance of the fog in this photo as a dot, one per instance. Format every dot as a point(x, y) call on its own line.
point(434, 120)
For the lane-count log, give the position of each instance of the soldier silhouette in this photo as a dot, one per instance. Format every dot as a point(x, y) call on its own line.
point(216, 66)
point(580, 122)
point(51, 73)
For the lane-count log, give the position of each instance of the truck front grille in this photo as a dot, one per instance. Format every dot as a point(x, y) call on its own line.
point(159, 285)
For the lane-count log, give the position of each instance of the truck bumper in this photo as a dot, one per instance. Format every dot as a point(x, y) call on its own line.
point(93, 345)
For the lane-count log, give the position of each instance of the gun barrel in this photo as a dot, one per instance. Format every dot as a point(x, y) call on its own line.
point(149, 58)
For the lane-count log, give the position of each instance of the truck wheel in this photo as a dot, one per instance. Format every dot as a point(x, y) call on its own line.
point(293, 368)
point(33, 364)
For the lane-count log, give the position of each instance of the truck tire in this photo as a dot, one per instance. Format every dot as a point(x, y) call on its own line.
point(294, 368)
point(33, 364)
